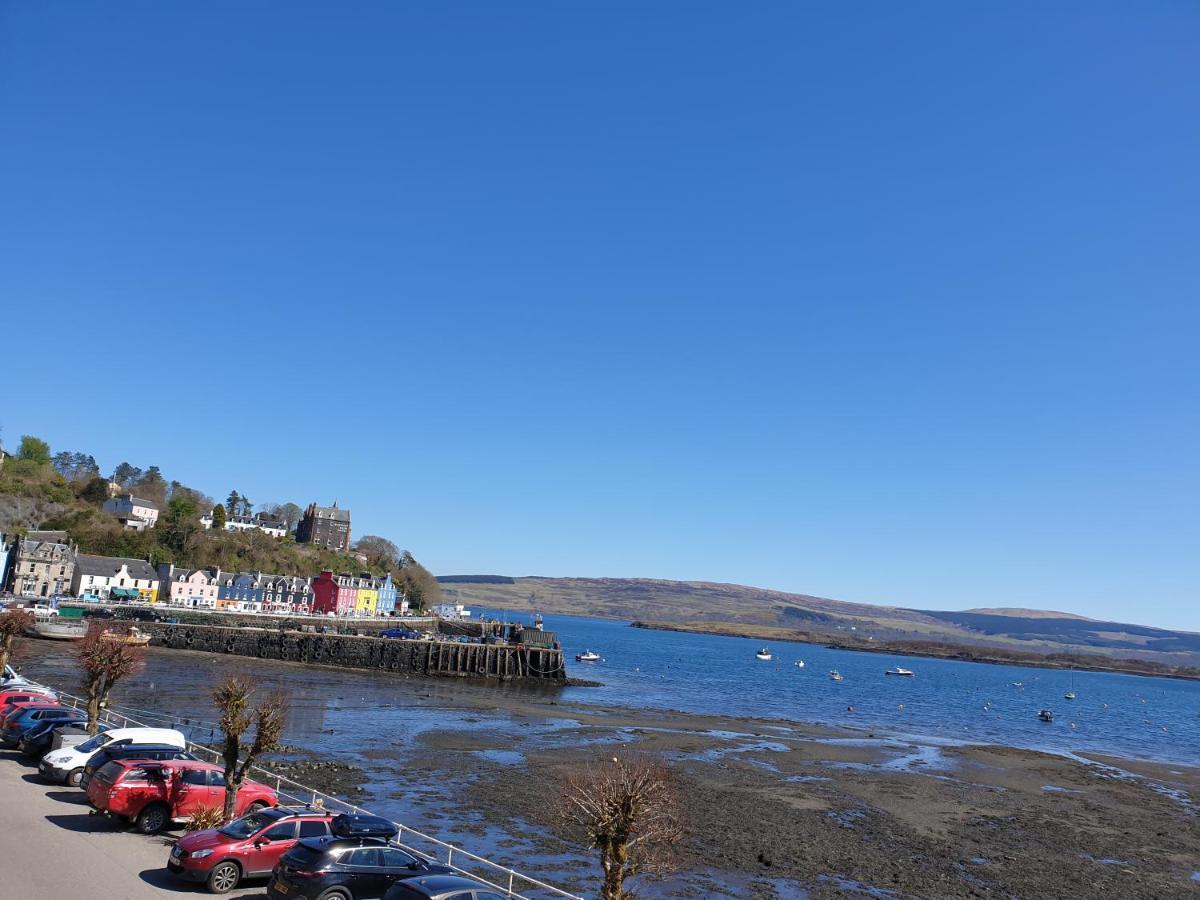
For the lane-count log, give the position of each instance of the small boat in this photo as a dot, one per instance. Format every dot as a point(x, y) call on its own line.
point(1046, 716)
point(1016, 684)
point(1069, 695)
point(904, 673)
point(587, 656)
point(835, 675)
point(135, 638)
point(799, 664)
point(763, 654)
point(57, 630)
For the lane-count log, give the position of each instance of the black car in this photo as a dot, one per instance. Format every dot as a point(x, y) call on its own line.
point(140, 615)
point(130, 751)
point(356, 862)
point(441, 887)
point(38, 740)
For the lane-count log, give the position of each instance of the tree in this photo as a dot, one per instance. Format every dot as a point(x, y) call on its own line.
point(232, 697)
point(13, 622)
point(95, 491)
point(232, 502)
point(75, 466)
point(379, 551)
point(151, 486)
point(247, 506)
point(417, 583)
point(104, 662)
point(628, 809)
point(33, 450)
point(125, 474)
point(179, 523)
point(219, 518)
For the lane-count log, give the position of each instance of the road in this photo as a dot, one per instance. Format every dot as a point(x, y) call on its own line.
point(53, 850)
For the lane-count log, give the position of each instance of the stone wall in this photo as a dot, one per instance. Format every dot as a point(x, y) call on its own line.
point(434, 658)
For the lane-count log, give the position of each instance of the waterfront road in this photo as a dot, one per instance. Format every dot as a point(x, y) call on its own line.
point(51, 849)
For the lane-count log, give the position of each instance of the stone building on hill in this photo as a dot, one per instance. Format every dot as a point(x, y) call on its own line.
point(326, 526)
point(40, 568)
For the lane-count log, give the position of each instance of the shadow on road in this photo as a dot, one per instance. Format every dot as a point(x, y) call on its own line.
point(75, 798)
point(164, 880)
point(83, 824)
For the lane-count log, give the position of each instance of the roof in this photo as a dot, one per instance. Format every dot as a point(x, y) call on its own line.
point(54, 537)
point(137, 501)
point(330, 512)
point(109, 566)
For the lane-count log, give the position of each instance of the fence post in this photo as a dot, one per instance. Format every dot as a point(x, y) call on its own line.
point(511, 873)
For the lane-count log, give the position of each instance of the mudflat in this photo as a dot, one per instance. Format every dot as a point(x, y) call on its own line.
point(792, 810)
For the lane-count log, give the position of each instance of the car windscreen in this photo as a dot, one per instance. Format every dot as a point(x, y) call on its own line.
point(93, 743)
point(248, 825)
point(109, 771)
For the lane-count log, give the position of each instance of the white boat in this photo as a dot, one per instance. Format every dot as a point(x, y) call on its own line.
point(57, 630)
point(1046, 716)
point(905, 673)
point(1070, 694)
point(799, 664)
point(587, 656)
point(835, 675)
point(763, 654)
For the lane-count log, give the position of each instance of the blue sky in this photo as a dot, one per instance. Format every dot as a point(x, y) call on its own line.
point(885, 302)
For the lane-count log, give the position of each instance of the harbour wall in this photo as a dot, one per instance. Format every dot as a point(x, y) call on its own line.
point(432, 658)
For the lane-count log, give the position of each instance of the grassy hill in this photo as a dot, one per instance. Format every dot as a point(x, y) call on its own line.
point(740, 609)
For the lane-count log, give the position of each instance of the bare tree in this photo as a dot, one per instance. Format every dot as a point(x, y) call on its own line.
point(232, 697)
point(628, 809)
point(13, 622)
point(105, 659)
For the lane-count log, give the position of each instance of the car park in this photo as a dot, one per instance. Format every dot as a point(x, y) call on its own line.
point(248, 847)
point(152, 794)
point(148, 752)
point(358, 861)
point(26, 717)
point(442, 887)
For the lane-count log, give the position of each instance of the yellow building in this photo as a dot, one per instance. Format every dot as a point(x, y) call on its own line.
point(367, 600)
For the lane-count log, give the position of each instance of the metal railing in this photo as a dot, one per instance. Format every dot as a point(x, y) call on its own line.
point(500, 877)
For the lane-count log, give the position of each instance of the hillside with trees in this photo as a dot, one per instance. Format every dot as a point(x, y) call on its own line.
point(66, 490)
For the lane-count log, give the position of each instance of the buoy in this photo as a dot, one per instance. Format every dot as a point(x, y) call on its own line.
point(849, 709)
point(900, 706)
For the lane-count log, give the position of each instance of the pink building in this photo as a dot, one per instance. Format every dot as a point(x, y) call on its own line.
point(193, 588)
point(337, 594)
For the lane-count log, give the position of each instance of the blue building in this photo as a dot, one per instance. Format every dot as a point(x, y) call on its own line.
point(386, 604)
point(240, 590)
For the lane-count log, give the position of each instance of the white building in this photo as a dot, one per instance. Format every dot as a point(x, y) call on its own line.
point(450, 611)
point(248, 523)
point(133, 512)
point(114, 578)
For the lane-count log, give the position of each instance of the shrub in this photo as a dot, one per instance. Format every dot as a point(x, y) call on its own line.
point(205, 817)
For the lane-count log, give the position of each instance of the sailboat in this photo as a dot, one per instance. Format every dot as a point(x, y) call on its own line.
point(1070, 695)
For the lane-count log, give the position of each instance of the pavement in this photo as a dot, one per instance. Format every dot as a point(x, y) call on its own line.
point(53, 850)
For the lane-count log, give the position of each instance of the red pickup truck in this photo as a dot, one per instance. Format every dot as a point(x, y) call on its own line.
point(152, 794)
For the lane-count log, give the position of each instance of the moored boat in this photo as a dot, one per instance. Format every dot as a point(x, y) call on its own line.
point(799, 664)
point(1046, 716)
point(59, 630)
point(763, 654)
point(903, 673)
point(587, 656)
point(135, 637)
point(835, 675)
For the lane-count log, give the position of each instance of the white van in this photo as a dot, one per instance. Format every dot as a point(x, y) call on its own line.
point(65, 765)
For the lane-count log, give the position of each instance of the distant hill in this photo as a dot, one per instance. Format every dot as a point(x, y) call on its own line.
point(690, 602)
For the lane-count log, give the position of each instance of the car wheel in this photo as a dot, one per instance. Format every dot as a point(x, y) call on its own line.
point(224, 877)
point(336, 894)
point(74, 777)
point(254, 807)
point(152, 819)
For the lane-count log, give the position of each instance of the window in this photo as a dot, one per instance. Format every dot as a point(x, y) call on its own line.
point(396, 859)
point(217, 780)
point(365, 856)
point(487, 895)
point(464, 895)
point(194, 776)
point(313, 829)
point(137, 773)
point(283, 832)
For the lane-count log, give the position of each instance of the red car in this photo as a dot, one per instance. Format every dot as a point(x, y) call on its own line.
point(245, 848)
point(152, 794)
point(25, 695)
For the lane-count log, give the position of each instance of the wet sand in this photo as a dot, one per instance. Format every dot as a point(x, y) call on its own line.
point(774, 809)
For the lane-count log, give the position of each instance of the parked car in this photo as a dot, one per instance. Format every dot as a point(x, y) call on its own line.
point(44, 609)
point(99, 613)
point(25, 693)
point(147, 752)
point(356, 862)
point(11, 710)
point(151, 794)
point(405, 634)
point(27, 716)
point(441, 887)
point(66, 764)
point(37, 740)
point(141, 615)
point(248, 847)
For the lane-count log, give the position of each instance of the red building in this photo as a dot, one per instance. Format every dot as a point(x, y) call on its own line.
point(335, 594)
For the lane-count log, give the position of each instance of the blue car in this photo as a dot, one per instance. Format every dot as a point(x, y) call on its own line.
point(405, 634)
point(16, 726)
point(37, 740)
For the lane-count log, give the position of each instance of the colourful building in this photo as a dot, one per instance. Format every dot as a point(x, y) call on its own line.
point(387, 596)
point(334, 594)
point(368, 596)
point(193, 588)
